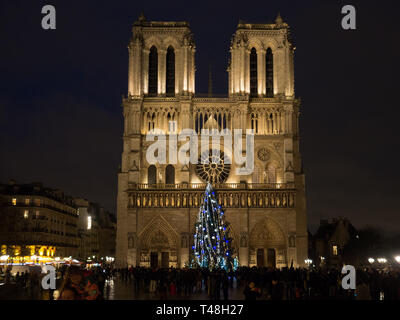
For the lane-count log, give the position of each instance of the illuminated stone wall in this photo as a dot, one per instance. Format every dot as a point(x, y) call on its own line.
point(159, 217)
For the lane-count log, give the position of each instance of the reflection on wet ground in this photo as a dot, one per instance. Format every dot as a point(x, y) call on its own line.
point(116, 289)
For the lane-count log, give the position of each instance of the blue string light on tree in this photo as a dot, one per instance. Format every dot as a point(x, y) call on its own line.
point(209, 251)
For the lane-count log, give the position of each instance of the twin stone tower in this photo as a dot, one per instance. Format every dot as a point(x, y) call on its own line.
point(158, 204)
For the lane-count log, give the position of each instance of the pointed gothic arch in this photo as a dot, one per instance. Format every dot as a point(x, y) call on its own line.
point(153, 72)
point(253, 73)
point(152, 174)
point(158, 239)
point(267, 243)
point(269, 70)
point(170, 174)
point(170, 72)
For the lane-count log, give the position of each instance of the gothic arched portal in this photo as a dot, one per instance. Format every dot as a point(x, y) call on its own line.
point(158, 245)
point(267, 244)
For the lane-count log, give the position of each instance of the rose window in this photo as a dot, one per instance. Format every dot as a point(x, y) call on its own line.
point(216, 170)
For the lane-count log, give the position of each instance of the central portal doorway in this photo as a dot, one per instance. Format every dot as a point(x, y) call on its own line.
point(260, 257)
point(154, 260)
point(165, 260)
point(271, 258)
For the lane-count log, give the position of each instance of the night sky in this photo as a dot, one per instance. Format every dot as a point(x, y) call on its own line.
point(60, 95)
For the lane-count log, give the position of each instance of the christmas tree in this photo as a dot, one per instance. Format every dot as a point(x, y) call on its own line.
point(212, 244)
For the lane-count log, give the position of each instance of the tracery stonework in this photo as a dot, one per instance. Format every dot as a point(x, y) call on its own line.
point(157, 204)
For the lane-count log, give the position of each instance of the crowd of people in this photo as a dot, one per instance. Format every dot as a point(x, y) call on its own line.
point(72, 283)
point(263, 283)
point(76, 283)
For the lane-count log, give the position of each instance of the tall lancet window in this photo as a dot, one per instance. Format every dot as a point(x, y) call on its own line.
point(170, 76)
point(253, 72)
point(153, 71)
point(170, 174)
point(152, 175)
point(270, 73)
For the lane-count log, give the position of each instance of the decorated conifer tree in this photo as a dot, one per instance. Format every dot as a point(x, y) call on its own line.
point(212, 243)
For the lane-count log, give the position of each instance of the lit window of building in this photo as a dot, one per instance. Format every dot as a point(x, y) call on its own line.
point(27, 201)
point(334, 250)
point(14, 201)
point(37, 214)
point(26, 214)
point(89, 222)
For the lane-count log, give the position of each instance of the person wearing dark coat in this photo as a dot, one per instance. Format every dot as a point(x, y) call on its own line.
point(251, 292)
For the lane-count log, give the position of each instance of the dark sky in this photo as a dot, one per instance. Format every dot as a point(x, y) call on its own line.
point(60, 94)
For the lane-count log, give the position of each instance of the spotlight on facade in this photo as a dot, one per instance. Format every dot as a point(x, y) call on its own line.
point(371, 260)
point(397, 258)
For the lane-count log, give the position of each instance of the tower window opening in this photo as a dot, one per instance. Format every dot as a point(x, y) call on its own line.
point(269, 73)
point(153, 71)
point(253, 72)
point(170, 75)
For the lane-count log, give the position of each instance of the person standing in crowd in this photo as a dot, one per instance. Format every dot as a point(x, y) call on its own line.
point(225, 284)
point(251, 292)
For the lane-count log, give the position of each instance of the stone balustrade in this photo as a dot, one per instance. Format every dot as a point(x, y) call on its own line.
point(230, 195)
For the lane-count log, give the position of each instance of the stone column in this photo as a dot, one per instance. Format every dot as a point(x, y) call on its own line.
point(247, 70)
point(185, 68)
point(242, 73)
point(260, 72)
point(145, 70)
point(234, 71)
point(244, 256)
point(130, 69)
point(137, 73)
point(278, 128)
point(162, 57)
point(192, 71)
point(277, 64)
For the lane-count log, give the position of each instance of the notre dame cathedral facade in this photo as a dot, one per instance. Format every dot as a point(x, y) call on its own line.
point(158, 204)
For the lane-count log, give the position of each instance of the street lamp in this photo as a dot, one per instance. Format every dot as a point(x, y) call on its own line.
point(308, 262)
point(382, 260)
point(397, 258)
point(371, 260)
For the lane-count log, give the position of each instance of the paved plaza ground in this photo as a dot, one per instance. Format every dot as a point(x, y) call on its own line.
point(116, 289)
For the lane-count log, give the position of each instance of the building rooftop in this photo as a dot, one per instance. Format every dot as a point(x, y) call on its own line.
point(36, 188)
